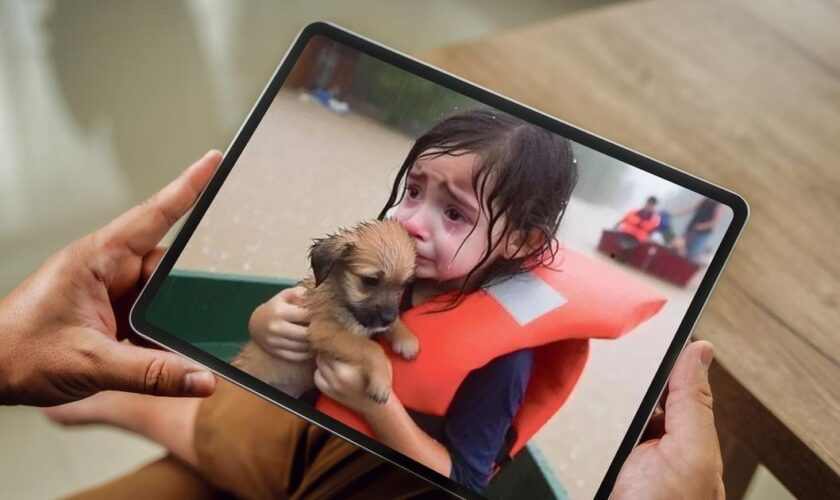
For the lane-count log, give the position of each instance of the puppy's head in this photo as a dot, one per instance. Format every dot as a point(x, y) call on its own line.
point(366, 268)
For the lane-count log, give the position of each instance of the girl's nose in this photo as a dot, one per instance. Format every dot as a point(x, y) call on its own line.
point(415, 228)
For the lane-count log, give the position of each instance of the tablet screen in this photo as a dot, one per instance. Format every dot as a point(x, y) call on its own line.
point(532, 373)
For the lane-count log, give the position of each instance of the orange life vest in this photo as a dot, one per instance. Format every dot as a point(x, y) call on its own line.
point(641, 229)
point(555, 312)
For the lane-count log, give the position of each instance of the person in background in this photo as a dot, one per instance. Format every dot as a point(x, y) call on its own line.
point(693, 242)
point(641, 223)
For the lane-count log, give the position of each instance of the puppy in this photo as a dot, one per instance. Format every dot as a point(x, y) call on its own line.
point(359, 276)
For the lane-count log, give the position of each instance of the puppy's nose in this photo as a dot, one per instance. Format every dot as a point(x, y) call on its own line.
point(388, 315)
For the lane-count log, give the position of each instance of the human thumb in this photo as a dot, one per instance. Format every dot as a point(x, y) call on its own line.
point(688, 409)
point(132, 368)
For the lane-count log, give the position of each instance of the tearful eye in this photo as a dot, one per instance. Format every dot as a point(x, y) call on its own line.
point(454, 215)
point(370, 281)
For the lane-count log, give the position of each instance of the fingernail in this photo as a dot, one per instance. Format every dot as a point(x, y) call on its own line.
point(707, 355)
point(195, 379)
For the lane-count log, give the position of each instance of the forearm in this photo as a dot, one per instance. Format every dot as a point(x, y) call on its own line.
point(392, 425)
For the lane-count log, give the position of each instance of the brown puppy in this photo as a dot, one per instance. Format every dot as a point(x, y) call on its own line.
point(358, 279)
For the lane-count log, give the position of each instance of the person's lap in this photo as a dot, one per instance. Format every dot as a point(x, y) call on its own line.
point(253, 449)
point(164, 479)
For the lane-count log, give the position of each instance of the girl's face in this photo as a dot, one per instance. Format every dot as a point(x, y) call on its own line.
point(440, 210)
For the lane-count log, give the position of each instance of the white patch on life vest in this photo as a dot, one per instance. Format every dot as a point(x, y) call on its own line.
point(526, 297)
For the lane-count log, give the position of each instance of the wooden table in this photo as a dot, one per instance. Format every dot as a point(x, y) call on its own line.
point(747, 95)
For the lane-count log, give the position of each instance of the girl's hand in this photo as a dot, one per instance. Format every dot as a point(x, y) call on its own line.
point(280, 326)
point(345, 383)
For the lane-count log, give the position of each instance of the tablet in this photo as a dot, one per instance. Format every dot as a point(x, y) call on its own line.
point(573, 269)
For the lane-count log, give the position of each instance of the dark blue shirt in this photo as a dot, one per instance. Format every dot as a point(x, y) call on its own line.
point(481, 413)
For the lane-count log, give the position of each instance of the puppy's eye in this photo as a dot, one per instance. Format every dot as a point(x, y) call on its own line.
point(370, 281)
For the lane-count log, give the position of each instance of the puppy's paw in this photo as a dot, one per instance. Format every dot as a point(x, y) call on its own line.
point(406, 347)
point(378, 392)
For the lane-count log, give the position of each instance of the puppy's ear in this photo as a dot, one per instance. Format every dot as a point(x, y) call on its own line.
point(325, 253)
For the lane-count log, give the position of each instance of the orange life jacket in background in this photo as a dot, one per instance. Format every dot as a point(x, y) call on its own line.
point(640, 228)
point(554, 312)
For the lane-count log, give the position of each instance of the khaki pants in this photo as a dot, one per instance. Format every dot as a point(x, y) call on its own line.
point(249, 448)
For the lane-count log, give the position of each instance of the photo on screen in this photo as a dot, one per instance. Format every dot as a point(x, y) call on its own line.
point(549, 279)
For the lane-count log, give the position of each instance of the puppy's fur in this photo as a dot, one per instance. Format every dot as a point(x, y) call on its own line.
point(358, 279)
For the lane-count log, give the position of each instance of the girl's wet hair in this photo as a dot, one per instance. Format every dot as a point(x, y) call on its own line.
point(523, 173)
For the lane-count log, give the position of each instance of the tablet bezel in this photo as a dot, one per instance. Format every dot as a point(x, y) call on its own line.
point(147, 330)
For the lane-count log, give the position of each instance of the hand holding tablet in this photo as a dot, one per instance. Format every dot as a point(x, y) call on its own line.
point(679, 455)
point(62, 324)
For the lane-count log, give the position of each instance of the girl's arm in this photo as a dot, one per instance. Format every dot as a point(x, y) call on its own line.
point(476, 424)
point(392, 425)
point(389, 421)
